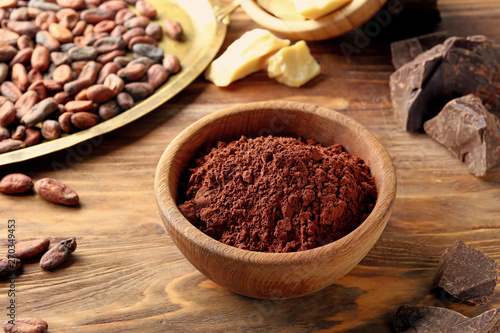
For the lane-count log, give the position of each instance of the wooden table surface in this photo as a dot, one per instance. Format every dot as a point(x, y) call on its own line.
point(126, 274)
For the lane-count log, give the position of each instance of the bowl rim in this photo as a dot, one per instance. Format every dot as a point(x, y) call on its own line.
point(196, 237)
point(352, 15)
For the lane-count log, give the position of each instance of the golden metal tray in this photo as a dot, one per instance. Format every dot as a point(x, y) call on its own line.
point(204, 23)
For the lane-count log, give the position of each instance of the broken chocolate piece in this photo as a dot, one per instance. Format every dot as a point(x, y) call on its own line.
point(459, 66)
point(469, 131)
point(418, 319)
point(406, 50)
point(467, 274)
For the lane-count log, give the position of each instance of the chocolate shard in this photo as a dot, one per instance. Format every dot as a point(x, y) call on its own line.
point(458, 67)
point(469, 131)
point(406, 50)
point(418, 319)
point(467, 274)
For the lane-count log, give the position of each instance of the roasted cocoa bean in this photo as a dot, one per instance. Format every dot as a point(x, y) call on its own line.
point(154, 31)
point(108, 44)
point(18, 133)
point(39, 88)
point(25, 103)
point(32, 136)
point(22, 56)
point(9, 265)
point(73, 4)
point(173, 29)
point(25, 325)
point(62, 74)
point(151, 51)
point(66, 47)
point(118, 31)
point(157, 75)
point(96, 15)
point(82, 53)
point(124, 100)
point(40, 59)
point(68, 18)
point(82, 95)
point(90, 71)
point(109, 110)
point(144, 61)
point(75, 86)
point(115, 83)
point(134, 32)
point(24, 42)
point(10, 91)
point(77, 66)
point(39, 112)
point(7, 113)
point(10, 145)
point(83, 120)
point(79, 28)
point(58, 254)
point(91, 38)
point(141, 40)
point(115, 5)
point(23, 27)
point(52, 86)
point(123, 15)
point(55, 191)
point(146, 9)
point(34, 75)
point(100, 93)
point(31, 248)
point(7, 52)
point(19, 77)
point(172, 64)
point(8, 37)
point(80, 106)
point(51, 129)
point(122, 61)
point(65, 122)
point(16, 183)
point(60, 58)
point(136, 22)
point(109, 68)
point(46, 39)
point(105, 26)
point(139, 90)
point(63, 97)
point(108, 57)
point(60, 32)
point(45, 18)
point(132, 72)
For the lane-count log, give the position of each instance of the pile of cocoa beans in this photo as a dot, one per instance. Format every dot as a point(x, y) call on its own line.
point(64, 64)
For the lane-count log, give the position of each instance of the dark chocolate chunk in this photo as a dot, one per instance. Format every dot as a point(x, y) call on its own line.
point(459, 66)
point(406, 50)
point(469, 131)
point(418, 319)
point(467, 274)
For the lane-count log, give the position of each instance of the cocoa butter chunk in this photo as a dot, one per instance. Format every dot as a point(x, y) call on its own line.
point(420, 319)
point(459, 66)
point(467, 274)
point(406, 50)
point(469, 131)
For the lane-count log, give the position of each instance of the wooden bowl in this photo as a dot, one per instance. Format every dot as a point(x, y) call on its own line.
point(274, 275)
point(347, 18)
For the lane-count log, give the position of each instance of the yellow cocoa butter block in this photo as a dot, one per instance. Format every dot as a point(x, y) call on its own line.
point(284, 9)
point(313, 9)
point(293, 65)
point(244, 56)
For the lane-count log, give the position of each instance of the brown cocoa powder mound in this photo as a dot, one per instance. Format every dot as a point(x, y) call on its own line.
point(277, 194)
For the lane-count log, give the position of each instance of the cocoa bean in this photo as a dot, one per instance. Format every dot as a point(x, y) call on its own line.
point(52, 86)
point(124, 100)
point(16, 183)
point(79, 28)
point(83, 120)
point(136, 22)
point(45, 18)
point(39, 112)
point(115, 83)
point(39, 88)
point(172, 64)
point(73, 4)
point(146, 50)
point(80, 106)
point(82, 95)
point(23, 27)
point(141, 40)
point(96, 15)
point(7, 52)
point(8, 37)
point(68, 18)
point(4, 71)
point(58, 254)
point(82, 53)
point(25, 103)
point(173, 29)
point(66, 47)
point(65, 122)
point(93, 3)
point(118, 31)
point(60, 58)
point(63, 97)
point(108, 44)
point(60, 32)
point(122, 61)
point(115, 5)
point(44, 5)
point(25, 325)
point(77, 66)
point(75, 86)
point(88, 29)
point(55, 191)
point(132, 72)
point(22, 57)
point(123, 15)
point(4, 133)
point(105, 26)
point(109, 68)
point(79, 41)
point(24, 42)
point(109, 110)
point(34, 75)
point(91, 38)
point(146, 9)
point(108, 57)
point(31, 248)
point(9, 265)
point(157, 75)
point(90, 72)
point(19, 14)
point(33, 12)
point(100, 93)
point(154, 31)
point(18, 133)
point(139, 90)
point(10, 145)
point(7, 114)
point(46, 39)
point(62, 74)
point(10, 91)
point(145, 61)
point(40, 59)
point(19, 77)
point(51, 129)
point(32, 136)
point(134, 32)
point(5, 4)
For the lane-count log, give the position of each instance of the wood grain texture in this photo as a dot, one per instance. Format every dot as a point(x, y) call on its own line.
point(127, 275)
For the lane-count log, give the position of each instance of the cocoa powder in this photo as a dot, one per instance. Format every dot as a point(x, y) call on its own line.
point(276, 194)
